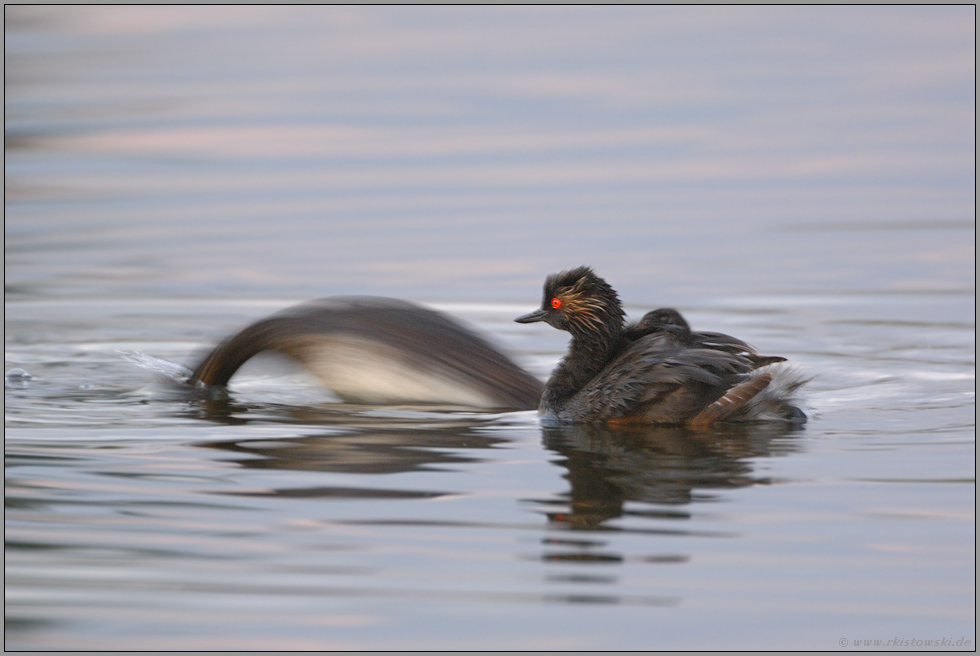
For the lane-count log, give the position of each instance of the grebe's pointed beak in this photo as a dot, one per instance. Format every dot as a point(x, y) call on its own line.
point(537, 315)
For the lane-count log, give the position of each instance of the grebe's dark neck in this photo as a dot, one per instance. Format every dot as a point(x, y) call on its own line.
point(588, 354)
point(585, 305)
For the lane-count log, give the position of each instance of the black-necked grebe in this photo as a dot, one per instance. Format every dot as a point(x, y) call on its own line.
point(657, 371)
point(381, 351)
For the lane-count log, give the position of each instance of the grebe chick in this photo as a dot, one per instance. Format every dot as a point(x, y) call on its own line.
point(381, 351)
point(670, 321)
point(667, 320)
point(657, 372)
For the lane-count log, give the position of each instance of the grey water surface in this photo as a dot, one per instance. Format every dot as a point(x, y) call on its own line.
point(802, 178)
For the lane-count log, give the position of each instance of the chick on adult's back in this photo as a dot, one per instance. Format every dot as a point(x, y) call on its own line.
point(658, 373)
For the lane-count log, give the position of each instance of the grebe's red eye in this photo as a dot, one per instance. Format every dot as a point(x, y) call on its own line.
point(555, 303)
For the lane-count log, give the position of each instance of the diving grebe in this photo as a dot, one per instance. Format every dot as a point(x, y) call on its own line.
point(381, 351)
point(657, 371)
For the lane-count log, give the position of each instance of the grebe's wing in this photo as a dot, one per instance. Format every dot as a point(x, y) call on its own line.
point(656, 381)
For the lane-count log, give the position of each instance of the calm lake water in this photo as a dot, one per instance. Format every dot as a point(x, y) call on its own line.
point(802, 178)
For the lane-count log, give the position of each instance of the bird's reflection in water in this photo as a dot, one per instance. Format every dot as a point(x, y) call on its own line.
point(352, 442)
point(659, 470)
point(363, 451)
point(666, 466)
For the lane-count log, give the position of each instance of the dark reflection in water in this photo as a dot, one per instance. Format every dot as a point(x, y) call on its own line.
point(660, 469)
point(606, 466)
point(657, 465)
point(222, 407)
point(364, 445)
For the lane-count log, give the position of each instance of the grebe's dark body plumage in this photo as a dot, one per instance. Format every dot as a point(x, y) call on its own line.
point(381, 351)
point(657, 371)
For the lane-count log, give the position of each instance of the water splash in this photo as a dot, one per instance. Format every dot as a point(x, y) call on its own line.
point(170, 371)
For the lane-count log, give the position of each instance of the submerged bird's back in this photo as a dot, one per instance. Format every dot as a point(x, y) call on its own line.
point(381, 350)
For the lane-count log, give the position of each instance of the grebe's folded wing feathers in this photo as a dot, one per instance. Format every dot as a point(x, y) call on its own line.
point(652, 381)
point(729, 344)
point(732, 402)
point(721, 342)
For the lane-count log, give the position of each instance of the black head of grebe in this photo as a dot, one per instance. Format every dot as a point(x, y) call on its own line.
point(582, 303)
